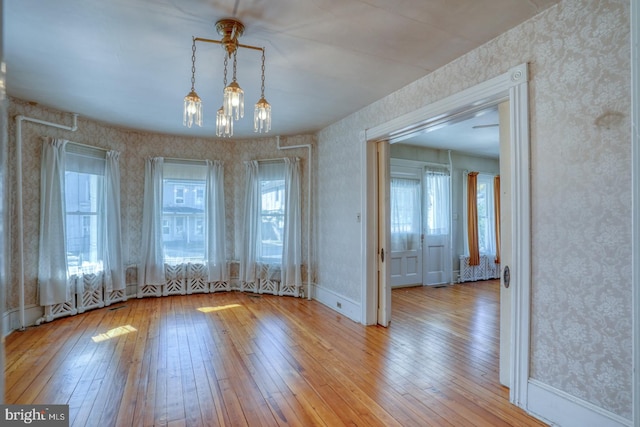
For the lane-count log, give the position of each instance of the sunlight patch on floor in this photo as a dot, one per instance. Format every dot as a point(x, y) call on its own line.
point(218, 308)
point(115, 332)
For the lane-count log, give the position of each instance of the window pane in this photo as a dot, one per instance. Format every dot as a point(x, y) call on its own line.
point(405, 214)
point(486, 232)
point(81, 200)
point(183, 220)
point(437, 203)
point(272, 214)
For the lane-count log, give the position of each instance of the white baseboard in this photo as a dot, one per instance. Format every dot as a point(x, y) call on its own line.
point(337, 302)
point(564, 410)
point(11, 318)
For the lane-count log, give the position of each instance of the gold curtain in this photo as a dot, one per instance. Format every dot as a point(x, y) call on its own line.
point(496, 206)
point(472, 218)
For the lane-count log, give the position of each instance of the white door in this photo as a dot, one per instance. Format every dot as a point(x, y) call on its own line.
point(437, 227)
point(405, 260)
point(436, 253)
point(384, 282)
point(505, 243)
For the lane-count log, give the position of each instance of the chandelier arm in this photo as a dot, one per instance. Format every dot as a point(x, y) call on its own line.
point(246, 46)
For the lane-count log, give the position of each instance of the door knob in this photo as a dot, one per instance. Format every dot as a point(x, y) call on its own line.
point(506, 276)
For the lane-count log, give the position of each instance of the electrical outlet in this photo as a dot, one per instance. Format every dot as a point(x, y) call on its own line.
point(339, 304)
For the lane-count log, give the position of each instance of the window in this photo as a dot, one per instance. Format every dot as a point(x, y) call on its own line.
point(83, 187)
point(405, 214)
point(272, 212)
point(179, 196)
point(199, 195)
point(486, 215)
point(436, 183)
point(186, 243)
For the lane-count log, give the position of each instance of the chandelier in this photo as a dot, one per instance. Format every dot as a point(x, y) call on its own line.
point(233, 96)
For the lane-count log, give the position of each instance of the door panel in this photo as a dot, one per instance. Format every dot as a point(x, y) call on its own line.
point(406, 225)
point(406, 268)
point(384, 208)
point(505, 243)
point(436, 249)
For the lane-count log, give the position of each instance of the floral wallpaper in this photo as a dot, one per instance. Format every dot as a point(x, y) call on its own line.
point(135, 147)
point(578, 52)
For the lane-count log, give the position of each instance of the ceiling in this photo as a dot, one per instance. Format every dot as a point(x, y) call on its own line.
point(477, 134)
point(128, 62)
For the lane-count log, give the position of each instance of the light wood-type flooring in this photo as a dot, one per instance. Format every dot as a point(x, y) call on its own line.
point(237, 359)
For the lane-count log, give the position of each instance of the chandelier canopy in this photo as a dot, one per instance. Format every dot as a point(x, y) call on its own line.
point(233, 95)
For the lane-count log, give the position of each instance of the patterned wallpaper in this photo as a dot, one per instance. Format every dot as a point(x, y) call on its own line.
point(578, 53)
point(135, 147)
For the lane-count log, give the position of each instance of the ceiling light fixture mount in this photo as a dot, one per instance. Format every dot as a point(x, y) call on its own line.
point(233, 96)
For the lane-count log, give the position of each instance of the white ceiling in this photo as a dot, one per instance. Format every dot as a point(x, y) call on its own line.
point(128, 62)
point(477, 134)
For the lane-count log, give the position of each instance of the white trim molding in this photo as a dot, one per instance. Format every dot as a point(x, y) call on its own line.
point(11, 320)
point(511, 85)
point(562, 409)
point(635, 180)
point(336, 302)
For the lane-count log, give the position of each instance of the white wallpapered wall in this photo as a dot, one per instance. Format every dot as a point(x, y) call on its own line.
point(578, 53)
point(134, 147)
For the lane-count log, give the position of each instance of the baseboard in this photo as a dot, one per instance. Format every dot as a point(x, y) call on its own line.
point(11, 318)
point(337, 302)
point(562, 409)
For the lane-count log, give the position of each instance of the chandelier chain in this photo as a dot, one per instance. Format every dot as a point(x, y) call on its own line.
point(226, 61)
point(262, 88)
point(193, 65)
point(235, 62)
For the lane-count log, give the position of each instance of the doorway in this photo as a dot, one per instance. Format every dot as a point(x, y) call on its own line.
point(511, 86)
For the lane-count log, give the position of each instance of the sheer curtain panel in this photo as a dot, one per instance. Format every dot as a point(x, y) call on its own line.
point(112, 230)
point(405, 214)
point(251, 223)
point(215, 222)
point(53, 283)
point(292, 251)
point(151, 270)
point(437, 215)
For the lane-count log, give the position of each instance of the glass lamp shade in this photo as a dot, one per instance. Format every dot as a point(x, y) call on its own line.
point(262, 116)
point(224, 124)
point(233, 101)
point(192, 110)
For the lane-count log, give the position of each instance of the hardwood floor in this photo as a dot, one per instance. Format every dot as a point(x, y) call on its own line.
point(241, 359)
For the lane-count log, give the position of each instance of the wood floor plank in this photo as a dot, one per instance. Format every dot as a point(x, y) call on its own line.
point(234, 359)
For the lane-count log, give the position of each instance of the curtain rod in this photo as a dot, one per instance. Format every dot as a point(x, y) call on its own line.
point(82, 145)
point(466, 171)
point(177, 160)
point(277, 159)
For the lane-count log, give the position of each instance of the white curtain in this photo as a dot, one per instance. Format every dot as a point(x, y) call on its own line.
point(437, 215)
point(53, 278)
point(151, 269)
point(112, 230)
point(250, 224)
point(215, 222)
point(292, 251)
point(405, 214)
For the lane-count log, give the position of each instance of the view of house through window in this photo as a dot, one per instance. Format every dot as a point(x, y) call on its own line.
point(183, 213)
point(486, 232)
point(272, 212)
point(82, 191)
